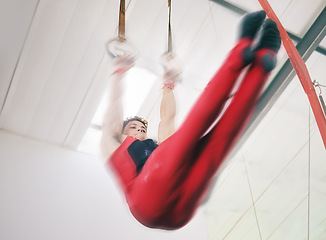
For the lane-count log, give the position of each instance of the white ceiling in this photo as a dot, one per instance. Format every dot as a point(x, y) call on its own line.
point(54, 71)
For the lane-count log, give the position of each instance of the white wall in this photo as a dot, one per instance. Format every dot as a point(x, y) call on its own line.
point(47, 192)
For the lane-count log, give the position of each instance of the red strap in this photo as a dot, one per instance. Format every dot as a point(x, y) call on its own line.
point(122, 12)
point(301, 70)
point(170, 31)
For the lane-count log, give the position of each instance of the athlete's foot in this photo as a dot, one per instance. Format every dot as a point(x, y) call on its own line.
point(243, 53)
point(270, 37)
point(268, 45)
point(251, 24)
point(248, 29)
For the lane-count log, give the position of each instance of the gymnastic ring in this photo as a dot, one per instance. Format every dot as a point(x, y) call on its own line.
point(171, 60)
point(118, 47)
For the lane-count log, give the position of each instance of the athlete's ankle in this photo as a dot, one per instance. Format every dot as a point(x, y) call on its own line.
point(267, 59)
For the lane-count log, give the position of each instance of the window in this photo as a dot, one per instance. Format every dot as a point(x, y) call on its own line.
point(137, 84)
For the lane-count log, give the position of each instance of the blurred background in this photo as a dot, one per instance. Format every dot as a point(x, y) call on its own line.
point(54, 74)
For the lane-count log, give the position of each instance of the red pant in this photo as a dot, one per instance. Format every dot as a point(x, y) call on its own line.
point(178, 173)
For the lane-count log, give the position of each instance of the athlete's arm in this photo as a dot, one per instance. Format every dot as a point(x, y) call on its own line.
point(168, 107)
point(112, 123)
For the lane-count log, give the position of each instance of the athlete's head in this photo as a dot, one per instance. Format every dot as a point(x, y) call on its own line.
point(135, 127)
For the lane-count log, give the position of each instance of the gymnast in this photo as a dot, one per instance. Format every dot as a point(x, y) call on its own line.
point(165, 183)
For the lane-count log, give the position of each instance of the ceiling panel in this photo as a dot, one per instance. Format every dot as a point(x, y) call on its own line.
point(200, 62)
point(61, 59)
point(61, 80)
point(299, 15)
point(38, 57)
point(14, 28)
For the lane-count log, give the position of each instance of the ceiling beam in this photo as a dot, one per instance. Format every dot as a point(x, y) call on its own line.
point(241, 12)
point(230, 6)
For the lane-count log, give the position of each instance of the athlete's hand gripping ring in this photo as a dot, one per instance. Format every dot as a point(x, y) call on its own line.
point(118, 47)
point(172, 66)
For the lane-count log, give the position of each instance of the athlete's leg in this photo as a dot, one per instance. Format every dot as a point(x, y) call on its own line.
point(223, 136)
point(157, 188)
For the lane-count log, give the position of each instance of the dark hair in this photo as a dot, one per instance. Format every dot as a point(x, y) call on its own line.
point(135, 118)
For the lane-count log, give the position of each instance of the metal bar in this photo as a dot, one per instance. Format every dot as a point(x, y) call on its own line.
point(231, 7)
point(300, 67)
point(322, 102)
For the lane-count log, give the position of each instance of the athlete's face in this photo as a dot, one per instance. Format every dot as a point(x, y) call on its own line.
point(136, 129)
